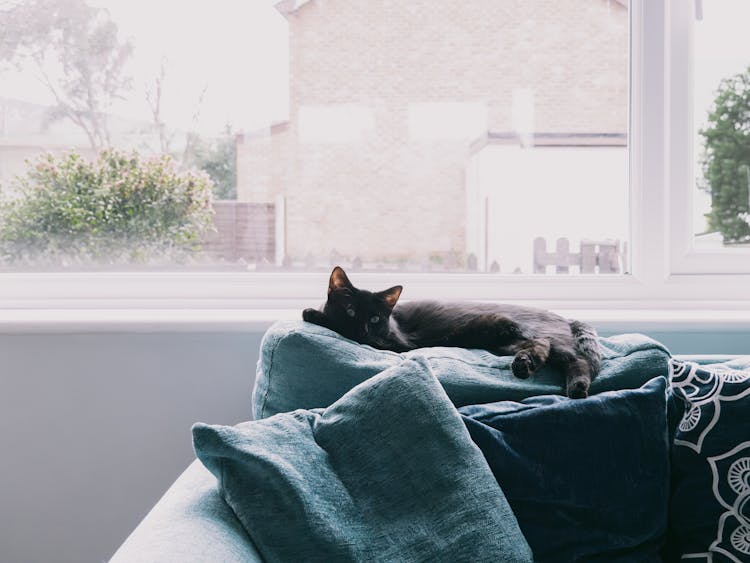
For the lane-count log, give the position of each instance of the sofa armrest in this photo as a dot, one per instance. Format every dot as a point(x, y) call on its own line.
point(191, 522)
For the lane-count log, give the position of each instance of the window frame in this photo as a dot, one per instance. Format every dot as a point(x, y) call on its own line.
point(660, 277)
point(685, 258)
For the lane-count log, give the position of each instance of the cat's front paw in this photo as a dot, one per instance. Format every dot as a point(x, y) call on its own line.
point(523, 365)
point(309, 315)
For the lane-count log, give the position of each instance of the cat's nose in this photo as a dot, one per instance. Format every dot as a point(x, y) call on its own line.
point(366, 330)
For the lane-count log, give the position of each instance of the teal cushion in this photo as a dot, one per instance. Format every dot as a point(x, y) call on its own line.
point(387, 473)
point(303, 365)
point(587, 480)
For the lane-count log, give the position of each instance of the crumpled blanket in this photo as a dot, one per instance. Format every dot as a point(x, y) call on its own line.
point(388, 472)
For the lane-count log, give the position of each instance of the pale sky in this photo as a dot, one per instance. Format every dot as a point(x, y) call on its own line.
point(722, 46)
point(238, 48)
point(235, 48)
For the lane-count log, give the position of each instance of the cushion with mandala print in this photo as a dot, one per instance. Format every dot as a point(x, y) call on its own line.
point(710, 502)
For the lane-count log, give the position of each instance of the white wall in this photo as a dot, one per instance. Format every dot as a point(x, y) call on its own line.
point(95, 427)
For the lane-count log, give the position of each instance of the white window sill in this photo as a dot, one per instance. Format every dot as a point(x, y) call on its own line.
point(258, 320)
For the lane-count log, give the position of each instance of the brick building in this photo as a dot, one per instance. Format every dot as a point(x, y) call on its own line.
point(387, 98)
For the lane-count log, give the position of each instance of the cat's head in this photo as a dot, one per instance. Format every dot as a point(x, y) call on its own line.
point(359, 314)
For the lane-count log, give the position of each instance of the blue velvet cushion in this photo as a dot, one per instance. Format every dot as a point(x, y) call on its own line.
point(710, 508)
point(303, 365)
point(587, 479)
point(387, 473)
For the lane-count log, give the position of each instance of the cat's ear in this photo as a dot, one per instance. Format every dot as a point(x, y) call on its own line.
point(338, 280)
point(391, 295)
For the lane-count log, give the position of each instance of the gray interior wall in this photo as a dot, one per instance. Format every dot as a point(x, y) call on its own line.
point(95, 427)
point(704, 341)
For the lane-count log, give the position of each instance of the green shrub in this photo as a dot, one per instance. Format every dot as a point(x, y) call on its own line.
point(119, 208)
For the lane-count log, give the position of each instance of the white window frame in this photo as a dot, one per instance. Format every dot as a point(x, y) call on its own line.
point(658, 279)
point(685, 258)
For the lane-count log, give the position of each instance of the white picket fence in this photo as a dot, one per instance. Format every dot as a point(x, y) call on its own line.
point(594, 257)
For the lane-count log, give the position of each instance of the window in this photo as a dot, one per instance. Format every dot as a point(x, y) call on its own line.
point(419, 137)
point(462, 149)
point(340, 123)
point(119, 126)
point(721, 120)
point(711, 88)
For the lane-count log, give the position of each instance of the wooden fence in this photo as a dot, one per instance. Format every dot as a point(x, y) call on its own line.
point(243, 231)
point(602, 257)
point(251, 232)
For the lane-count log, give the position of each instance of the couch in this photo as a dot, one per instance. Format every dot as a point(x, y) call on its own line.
point(303, 366)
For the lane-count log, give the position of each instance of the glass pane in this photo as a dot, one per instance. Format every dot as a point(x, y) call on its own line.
point(479, 136)
point(722, 125)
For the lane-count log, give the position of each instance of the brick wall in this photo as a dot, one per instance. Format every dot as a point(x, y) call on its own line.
point(386, 195)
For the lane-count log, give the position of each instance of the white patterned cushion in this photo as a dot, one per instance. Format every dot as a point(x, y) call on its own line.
point(710, 507)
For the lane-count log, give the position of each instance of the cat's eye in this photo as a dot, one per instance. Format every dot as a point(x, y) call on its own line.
point(374, 319)
point(350, 312)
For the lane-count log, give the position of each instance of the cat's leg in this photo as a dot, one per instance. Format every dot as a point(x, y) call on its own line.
point(316, 317)
point(503, 337)
point(578, 380)
point(489, 331)
point(494, 329)
point(577, 373)
point(530, 356)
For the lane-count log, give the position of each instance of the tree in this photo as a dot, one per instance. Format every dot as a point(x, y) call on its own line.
point(726, 159)
point(218, 158)
point(76, 51)
point(165, 135)
point(154, 93)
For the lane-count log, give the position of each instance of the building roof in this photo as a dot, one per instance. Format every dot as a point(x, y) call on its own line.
point(550, 139)
point(25, 124)
point(271, 129)
point(286, 7)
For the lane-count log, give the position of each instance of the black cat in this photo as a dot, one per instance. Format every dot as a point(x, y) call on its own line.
point(533, 336)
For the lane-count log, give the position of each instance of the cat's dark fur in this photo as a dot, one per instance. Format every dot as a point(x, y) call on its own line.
point(533, 336)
